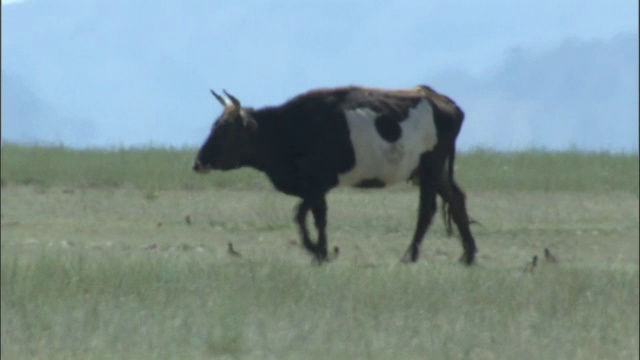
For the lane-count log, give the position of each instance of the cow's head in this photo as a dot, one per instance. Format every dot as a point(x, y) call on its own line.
point(229, 140)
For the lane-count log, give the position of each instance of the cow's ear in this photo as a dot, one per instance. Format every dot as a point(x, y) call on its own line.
point(250, 124)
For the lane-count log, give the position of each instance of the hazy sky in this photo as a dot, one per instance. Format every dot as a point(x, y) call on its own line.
point(111, 73)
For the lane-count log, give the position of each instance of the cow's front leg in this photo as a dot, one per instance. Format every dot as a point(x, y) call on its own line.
point(318, 207)
point(301, 220)
point(319, 211)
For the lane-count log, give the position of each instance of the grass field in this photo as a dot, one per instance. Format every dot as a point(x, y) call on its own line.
point(99, 262)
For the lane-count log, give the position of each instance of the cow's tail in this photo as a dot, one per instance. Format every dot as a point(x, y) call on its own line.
point(450, 183)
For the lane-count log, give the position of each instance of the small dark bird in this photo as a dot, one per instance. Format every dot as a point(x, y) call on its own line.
point(187, 219)
point(336, 252)
point(66, 243)
point(232, 251)
point(183, 247)
point(150, 247)
point(548, 257)
point(532, 265)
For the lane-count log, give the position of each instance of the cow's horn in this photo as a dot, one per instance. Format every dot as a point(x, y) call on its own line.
point(220, 98)
point(235, 101)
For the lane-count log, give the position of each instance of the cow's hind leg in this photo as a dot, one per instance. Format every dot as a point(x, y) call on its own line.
point(457, 211)
point(429, 175)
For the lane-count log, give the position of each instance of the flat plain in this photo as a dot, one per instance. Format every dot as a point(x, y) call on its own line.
point(123, 254)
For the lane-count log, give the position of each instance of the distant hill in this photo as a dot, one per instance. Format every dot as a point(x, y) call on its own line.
point(581, 93)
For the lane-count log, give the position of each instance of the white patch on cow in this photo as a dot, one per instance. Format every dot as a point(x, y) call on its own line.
point(379, 159)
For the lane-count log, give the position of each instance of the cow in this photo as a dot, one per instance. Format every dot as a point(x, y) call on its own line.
point(347, 136)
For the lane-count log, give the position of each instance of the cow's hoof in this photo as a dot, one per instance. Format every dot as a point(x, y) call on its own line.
point(409, 257)
point(467, 259)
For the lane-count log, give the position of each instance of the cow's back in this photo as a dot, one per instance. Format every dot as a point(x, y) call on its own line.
point(389, 131)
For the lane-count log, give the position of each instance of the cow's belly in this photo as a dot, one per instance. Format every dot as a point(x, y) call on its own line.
point(381, 162)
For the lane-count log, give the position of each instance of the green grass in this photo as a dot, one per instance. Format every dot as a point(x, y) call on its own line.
point(161, 169)
point(149, 169)
point(172, 306)
point(549, 171)
point(102, 266)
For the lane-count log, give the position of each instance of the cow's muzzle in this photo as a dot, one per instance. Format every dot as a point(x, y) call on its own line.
point(200, 168)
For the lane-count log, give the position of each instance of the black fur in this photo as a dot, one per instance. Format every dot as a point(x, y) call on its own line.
point(388, 128)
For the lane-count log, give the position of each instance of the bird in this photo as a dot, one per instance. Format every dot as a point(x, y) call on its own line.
point(532, 265)
point(150, 247)
point(187, 219)
point(232, 251)
point(183, 247)
point(548, 257)
point(67, 243)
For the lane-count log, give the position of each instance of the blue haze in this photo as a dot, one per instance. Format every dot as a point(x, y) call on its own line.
point(95, 73)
